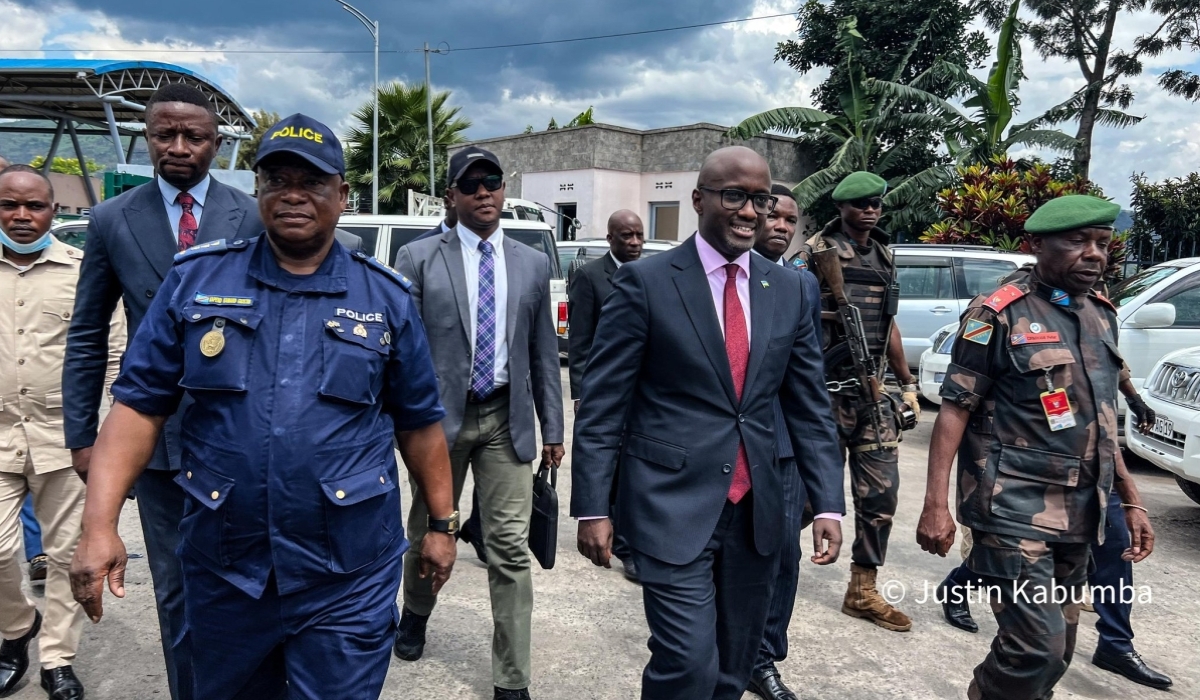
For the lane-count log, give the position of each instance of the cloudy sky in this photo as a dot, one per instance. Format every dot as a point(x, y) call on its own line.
point(717, 74)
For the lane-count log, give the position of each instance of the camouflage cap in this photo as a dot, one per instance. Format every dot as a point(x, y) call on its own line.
point(858, 185)
point(1074, 211)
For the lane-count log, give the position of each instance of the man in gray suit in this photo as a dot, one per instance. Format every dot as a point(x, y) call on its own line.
point(131, 243)
point(485, 300)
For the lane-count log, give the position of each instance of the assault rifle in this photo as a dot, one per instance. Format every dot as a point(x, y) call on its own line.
point(866, 370)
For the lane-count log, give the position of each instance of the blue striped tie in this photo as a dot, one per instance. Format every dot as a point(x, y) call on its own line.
point(483, 373)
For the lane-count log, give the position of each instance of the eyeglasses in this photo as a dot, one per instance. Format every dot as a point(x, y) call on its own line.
point(734, 200)
point(864, 203)
point(471, 185)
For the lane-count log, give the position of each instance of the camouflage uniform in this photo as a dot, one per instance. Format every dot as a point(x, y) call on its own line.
point(1034, 498)
point(874, 472)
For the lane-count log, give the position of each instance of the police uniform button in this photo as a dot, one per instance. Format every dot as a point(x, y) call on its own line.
point(340, 494)
point(725, 469)
point(189, 475)
point(149, 293)
point(195, 317)
point(216, 495)
point(382, 480)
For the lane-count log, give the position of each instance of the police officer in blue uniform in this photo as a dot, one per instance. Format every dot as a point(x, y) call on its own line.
point(304, 361)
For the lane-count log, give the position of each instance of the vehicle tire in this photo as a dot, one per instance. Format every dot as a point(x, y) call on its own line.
point(1191, 489)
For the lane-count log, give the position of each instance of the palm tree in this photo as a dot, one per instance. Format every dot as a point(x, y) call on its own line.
point(865, 113)
point(403, 143)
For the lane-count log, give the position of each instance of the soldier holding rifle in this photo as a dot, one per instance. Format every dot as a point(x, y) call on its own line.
point(859, 295)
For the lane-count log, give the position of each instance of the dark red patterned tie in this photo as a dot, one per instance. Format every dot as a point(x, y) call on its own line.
point(737, 347)
point(187, 223)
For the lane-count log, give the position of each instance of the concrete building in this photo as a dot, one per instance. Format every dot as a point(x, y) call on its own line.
point(588, 172)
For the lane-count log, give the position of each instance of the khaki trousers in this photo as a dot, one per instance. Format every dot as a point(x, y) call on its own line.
point(505, 488)
point(58, 503)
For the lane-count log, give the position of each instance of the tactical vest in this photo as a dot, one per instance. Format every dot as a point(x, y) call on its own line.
point(866, 287)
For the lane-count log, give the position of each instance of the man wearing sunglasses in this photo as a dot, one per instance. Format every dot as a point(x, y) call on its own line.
point(868, 275)
point(485, 299)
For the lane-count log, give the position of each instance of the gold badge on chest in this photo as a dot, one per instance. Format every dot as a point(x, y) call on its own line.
point(213, 342)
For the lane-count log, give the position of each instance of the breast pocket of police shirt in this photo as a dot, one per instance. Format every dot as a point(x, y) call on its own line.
point(217, 347)
point(353, 357)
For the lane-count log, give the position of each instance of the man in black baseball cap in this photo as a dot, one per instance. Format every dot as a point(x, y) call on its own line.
point(459, 162)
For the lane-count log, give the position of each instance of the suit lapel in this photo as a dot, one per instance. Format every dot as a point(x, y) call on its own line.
point(697, 300)
point(221, 217)
point(762, 310)
point(513, 268)
point(146, 217)
point(453, 257)
point(610, 268)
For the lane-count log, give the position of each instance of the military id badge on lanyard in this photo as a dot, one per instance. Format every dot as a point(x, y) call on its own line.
point(1056, 406)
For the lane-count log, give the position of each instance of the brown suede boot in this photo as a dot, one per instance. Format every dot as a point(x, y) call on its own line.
point(862, 600)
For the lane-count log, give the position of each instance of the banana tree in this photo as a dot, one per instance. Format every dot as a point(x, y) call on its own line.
point(854, 131)
point(986, 131)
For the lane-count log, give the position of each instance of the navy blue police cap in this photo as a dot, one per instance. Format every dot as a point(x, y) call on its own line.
point(305, 137)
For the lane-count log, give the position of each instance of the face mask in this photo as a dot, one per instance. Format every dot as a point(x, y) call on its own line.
point(24, 248)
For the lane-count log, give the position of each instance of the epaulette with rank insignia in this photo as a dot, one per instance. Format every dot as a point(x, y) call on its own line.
point(1102, 299)
point(404, 282)
point(1004, 296)
point(218, 246)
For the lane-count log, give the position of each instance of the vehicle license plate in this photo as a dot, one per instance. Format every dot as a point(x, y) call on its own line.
point(1163, 427)
point(939, 377)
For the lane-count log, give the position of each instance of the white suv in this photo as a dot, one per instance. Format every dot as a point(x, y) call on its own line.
point(938, 282)
point(1173, 390)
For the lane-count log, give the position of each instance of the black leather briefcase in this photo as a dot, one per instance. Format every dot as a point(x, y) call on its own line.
point(543, 527)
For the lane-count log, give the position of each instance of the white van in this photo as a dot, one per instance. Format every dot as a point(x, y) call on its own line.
point(383, 235)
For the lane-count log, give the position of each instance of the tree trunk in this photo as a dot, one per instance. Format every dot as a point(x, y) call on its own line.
point(1087, 124)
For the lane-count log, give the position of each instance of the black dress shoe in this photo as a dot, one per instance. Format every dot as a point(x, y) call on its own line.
point(410, 636)
point(1132, 667)
point(765, 683)
point(475, 539)
point(507, 694)
point(62, 684)
point(37, 570)
point(14, 657)
point(957, 612)
point(631, 570)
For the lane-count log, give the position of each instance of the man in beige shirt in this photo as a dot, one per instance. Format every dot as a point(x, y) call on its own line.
point(37, 294)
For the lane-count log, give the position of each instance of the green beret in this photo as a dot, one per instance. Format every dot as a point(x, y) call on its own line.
point(858, 185)
point(1074, 211)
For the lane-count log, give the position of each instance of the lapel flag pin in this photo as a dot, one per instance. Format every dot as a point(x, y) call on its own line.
point(765, 284)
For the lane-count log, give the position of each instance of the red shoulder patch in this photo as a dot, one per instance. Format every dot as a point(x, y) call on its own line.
point(1004, 296)
point(1103, 300)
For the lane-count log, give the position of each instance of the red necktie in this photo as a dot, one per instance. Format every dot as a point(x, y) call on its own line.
point(187, 223)
point(737, 347)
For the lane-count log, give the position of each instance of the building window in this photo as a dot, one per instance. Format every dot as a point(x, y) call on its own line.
point(664, 221)
point(567, 221)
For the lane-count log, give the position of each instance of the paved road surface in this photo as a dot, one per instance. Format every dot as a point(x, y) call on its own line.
point(590, 635)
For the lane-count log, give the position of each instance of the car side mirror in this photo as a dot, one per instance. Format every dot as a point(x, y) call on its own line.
point(1160, 315)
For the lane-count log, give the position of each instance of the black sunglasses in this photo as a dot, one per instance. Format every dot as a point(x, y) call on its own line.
point(864, 203)
point(734, 200)
point(471, 185)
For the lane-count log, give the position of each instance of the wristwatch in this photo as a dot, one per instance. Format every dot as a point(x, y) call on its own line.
point(446, 525)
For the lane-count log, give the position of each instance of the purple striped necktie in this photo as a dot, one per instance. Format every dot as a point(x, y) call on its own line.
point(483, 371)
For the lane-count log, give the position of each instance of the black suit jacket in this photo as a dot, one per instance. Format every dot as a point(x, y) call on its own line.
point(659, 396)
point(589, 288)
point(130, 249)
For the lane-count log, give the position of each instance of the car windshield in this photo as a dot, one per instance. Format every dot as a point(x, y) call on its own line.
point(1132, 286)
point(537, 239)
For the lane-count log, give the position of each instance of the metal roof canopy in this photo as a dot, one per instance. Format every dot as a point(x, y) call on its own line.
point(108, 97)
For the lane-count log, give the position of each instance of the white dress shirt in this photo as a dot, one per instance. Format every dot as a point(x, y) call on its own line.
point(170, 194)
point(471, 260)
point(614, 258)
